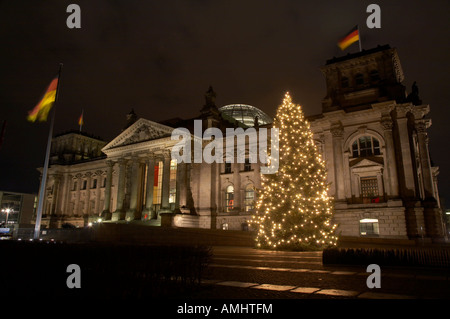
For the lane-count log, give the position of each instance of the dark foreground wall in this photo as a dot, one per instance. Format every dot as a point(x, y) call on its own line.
point(403, 257)
point(40, 269)
point(146, 235)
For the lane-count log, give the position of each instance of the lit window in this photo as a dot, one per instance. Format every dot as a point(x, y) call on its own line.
point(229, 199)
point(173, 181)
point(369, 187)
point(157, 183)
point(369, 227)
point(249, 198)
point(366, 146)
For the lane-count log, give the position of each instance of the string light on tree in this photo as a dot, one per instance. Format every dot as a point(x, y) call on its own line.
point(294, 210)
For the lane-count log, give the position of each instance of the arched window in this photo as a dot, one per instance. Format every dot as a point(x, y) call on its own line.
point(366, 146)
point(229, 198)
point(249, 198)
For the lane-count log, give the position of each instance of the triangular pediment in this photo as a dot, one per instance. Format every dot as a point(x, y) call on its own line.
point(366, 162)
point(141, 131)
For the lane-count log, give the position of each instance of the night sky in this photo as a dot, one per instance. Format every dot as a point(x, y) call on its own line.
point(160, 57)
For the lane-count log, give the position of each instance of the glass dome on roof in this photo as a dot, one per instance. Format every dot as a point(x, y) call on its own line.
point(246, 114)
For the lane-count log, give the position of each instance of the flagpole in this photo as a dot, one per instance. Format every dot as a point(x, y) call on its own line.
point(359, 38)
point(37, 227)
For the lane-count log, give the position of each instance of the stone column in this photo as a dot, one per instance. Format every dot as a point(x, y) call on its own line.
point(180, 196)
point(107, 208)
point(98, 210)
point(432, 212)
point(56, 207)
point(347, 174)
point(390, 164)
point(421, 127)
point(134, 189)
point(338, 131)
point(408, 188)
point(77, 195)
point(67, 193)
point(190, 204)
point(118, 214)
point(165, 183)
point(237, 186)
point(148, 210)
point(88, 193)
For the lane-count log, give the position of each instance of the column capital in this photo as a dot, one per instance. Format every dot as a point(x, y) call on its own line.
point(166, 154)
point(122, 161)
point(56, 176)
point(133, 158)
point(387, 123)
point(403, 109)
point(110, 163)
point(337, 130)
point(420, 111)
point(422, 125)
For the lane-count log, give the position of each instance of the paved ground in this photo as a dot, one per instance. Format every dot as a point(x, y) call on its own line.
point(246, 273)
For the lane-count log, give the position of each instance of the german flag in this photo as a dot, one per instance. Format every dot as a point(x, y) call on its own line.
point(80, 119)
point(349, 39)
point(41, 110)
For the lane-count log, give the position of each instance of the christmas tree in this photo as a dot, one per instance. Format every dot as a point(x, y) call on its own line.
point(294, 210)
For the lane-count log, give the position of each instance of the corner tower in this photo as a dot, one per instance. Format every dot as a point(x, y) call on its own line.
point(357, 80)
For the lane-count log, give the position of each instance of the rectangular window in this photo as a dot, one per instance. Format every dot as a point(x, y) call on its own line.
point(94, 183)
point(249, 199)
point(157, 185)
point(247, 165)
point(369, 227)
point(173, 181)
point(369, 187)
point(84, 184)
point(227, 167)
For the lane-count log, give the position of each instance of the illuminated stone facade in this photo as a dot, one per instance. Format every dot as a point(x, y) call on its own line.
point(372, 135)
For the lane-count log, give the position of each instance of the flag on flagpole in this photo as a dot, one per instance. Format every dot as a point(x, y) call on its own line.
point(80, 119)
point(350, 38)
point(41, 110)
